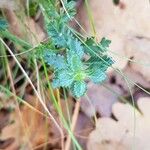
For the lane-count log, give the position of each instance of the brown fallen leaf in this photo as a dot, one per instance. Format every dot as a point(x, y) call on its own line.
point(35, 32)
point(139, 50)
point(127, 132)
point(31, 129)
point(84, 126)
point(100, 98)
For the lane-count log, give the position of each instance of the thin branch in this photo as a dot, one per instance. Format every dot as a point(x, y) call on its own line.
point(73, 124)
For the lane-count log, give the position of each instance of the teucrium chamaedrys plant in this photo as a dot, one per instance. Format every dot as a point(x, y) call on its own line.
point(65, 53)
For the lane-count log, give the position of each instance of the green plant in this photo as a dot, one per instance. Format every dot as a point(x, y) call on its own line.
point(66, 52)
point(3, 24)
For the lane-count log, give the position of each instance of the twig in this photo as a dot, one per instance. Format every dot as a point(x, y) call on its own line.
point(73, 124)
point(59, 103)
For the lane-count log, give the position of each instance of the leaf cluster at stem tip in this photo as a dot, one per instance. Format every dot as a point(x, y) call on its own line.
point(66, 53)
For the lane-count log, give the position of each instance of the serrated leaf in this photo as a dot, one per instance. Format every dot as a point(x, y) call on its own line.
point(79, 88)
point(74, 61)
point(71, 11)
point(102, 62)
point(91, 47)
point(94, 49)
point(105, 43)
point(75, 45)
point(63, 78)
point(55, 60)
point(70, 7)
point(97, 75)
point(98, 67)
point(58, 33)
point(70, 70)
point(50, 9)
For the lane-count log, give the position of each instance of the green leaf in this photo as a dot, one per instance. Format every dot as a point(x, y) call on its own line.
point(74, 61)
point(78, 88)
point(97, 75)
point(3, 24)
point(70, 68)
point(50, 9)
point(70, 7)
point(105, 43)
point(75, 45)
point(102, 62)
point(97, 68)
point(94, 49)
point(63, 78)
point(76, 66)
point(55, 60)
point(91, 47)
point(58, 32)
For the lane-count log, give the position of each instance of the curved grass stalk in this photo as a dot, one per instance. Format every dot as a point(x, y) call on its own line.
point(90, 18)
point(73, 17)
point(134, 108)
point(67, 106)
point(14, 96)
point(33, 48)
point(58, 109)
point(130, 60)
point(20, 100)
point(37, 94)
point(27, 51)
point(93, 110)
point(37, 74)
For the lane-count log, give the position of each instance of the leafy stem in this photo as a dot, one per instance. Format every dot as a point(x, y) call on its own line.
point(66, 54)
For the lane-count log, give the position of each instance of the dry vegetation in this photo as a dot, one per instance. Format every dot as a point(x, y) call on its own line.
point(113, 115)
